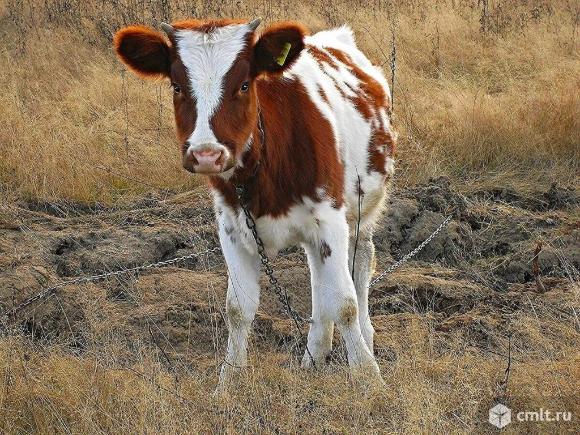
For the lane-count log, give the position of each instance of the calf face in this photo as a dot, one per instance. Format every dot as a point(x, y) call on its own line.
point(213, 67)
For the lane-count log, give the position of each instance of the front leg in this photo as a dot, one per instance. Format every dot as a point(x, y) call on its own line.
point(335, 293)
point(242, 297)
point(322, 327)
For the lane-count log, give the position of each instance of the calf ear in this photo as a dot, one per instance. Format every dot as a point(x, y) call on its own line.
point(278, 47)
point(143, 50)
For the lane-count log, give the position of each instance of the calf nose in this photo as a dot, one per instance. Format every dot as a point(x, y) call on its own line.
point(207, 160)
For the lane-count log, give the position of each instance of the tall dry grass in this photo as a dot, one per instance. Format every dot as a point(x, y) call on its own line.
point(483, 90)
point(434, 386)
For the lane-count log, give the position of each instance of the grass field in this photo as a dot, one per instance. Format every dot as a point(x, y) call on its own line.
point(485, 93)
point(475, 94)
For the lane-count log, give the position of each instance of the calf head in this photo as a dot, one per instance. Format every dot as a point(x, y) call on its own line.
point(213, 67)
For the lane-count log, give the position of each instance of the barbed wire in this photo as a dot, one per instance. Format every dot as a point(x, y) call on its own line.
point(45, 293)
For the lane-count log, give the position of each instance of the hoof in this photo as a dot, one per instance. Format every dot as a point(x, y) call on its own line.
point(229, 374)
point(220, 391)
point(369, 375)
point(307, 362)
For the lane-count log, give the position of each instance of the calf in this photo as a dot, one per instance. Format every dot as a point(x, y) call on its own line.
point(302, 123)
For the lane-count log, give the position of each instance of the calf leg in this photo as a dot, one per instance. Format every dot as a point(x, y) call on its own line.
point(242, 299)
point(364, 264)
point(335, 293)
point(322, 327)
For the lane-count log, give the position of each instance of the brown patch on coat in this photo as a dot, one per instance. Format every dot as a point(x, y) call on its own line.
point(237, 116)
point(369, 100)
point(373, 93)
point(185, 110)
point(323, 95)
point(299, 140)
point(321, 56)
point(381, 147)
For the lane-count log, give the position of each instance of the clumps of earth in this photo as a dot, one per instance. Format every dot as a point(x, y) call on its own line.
point(502, 251)
point(497, 232)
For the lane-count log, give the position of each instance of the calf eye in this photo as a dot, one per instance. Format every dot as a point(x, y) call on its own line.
point(176, 88)
point(245, 86)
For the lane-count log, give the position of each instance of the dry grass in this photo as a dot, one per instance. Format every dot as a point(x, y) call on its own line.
point(65, 116)
point(484, 96)
point(500, 101)
point(87, 363)
point(47, 390)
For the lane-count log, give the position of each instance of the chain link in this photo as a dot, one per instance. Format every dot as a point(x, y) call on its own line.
point(45, 293)
point(281, 293)
point(251, 223)
point(411, 254)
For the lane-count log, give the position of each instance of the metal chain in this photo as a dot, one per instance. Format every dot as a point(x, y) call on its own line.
point(411, 254)
point(251, 223)
point(274, 284)
point(86, 279)
point(280, 292)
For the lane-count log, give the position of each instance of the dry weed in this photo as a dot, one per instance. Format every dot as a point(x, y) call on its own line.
point(485, 92)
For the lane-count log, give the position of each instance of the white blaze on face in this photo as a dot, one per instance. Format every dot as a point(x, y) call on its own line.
point(207, 58)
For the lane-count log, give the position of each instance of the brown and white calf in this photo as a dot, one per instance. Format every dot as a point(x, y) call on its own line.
point(302, 122)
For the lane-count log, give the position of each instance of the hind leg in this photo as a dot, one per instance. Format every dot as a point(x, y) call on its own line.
point(364, 263)
point(361, 252)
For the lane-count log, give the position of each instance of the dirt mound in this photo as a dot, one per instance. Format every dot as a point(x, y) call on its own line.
point(114, 249)
point(415, 214)
point(555, 198)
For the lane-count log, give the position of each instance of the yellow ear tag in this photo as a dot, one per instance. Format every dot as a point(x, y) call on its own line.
point(280, 60)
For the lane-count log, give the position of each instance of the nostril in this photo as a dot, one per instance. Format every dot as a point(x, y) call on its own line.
point(220, 159)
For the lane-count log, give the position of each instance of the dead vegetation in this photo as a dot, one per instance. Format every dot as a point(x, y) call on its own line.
point(90, 181)
point(479, 91)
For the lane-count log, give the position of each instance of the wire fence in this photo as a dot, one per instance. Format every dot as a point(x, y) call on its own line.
point(49, 291)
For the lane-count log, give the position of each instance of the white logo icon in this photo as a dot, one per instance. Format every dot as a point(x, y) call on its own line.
point(500, 416)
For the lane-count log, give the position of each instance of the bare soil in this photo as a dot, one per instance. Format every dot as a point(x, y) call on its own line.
point(472, 278)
